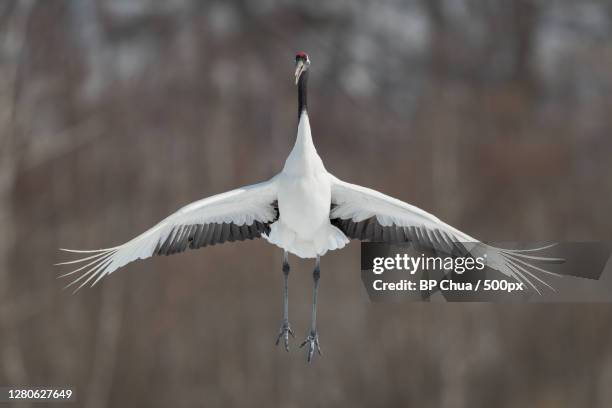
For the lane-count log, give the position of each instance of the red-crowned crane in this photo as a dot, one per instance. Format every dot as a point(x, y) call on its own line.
point(304, 210)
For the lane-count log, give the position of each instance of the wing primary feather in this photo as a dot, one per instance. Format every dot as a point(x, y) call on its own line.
point(406, 233)
point(225, 232)
point(378, 232)
point(524, 271)
point(87, 273)
point(517, 272)
point(393, 234)
point(442, 241)
point(202, 238)
point(181, 237)
point(176, 240)
point(244, 232)
point(398, 234)
point(185, 238)
point(102, 258)
point(81, 259)
point(262, 228)
point(351, 228)
point(434, 240)
point(101, 274)
point(95, 271)
point(234, 233)
point(461, 249)
point(532, 266)
point(531, 249)
point(163, 250)
point(359, 227)
point(209, 234)
point(197, 233)
point(206, 235)
point(449, 242)
point(420, 241)
point(536, 258)
point(386, 235)
point(90, 251)
point(412, 233)
point(401, 235)
point(252, 231)
point(370, 229)
point(217, 235)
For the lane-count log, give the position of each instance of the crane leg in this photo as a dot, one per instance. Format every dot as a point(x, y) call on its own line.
point(285, 329)
point(313, 336)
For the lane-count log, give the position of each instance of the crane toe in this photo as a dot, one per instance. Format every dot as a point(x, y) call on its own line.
point(312, 340)
point(284, 332)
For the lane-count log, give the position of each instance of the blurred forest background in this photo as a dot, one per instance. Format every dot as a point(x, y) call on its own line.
point(494, 115)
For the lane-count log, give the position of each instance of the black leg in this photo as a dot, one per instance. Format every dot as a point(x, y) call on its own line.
point(285, 329)
point(313, 336)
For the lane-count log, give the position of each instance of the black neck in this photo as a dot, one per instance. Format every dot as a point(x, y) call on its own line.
point(302, 82)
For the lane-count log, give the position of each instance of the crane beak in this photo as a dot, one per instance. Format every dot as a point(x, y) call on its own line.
point(299, 68)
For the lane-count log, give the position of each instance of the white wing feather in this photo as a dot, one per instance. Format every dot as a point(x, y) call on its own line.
point(241, 206)
point(360, 203)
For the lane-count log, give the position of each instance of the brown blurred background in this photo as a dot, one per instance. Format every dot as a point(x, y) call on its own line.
point(494, 115)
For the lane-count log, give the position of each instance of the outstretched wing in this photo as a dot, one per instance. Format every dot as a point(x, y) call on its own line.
point(237, 215)
point(368, 215)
